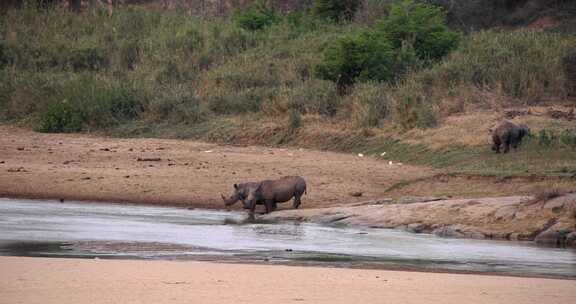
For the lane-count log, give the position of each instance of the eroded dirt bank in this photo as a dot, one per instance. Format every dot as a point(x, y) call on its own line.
point(548, 221)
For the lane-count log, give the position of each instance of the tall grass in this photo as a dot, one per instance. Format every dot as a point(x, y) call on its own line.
point(148, 71)
point(519, 68)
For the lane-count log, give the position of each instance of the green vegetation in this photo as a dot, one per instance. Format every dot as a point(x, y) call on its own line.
point(256, 17)
point(266, 78)
point(336, 10)
point(413, 34)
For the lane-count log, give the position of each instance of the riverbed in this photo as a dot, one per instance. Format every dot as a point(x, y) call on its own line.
point(98, 230)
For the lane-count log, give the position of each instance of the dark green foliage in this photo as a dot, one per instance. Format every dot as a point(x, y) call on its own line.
point(569, 65)
point(336, 10)
point(85, 103)
point(256, 17)
point(412, 33)
point(568, 138)
point(546, 138)
point(87, 59)
point(294, 120)
point(555, 139)
point(62, 117)
point(353, 57)
point(418, 26)
point(235, 104)
point(4, 54)
point(175, 104)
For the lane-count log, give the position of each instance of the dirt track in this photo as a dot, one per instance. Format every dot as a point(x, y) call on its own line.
point(190, 174)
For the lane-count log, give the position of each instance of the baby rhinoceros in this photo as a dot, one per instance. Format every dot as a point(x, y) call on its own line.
point(506, 134)
point(268, 192)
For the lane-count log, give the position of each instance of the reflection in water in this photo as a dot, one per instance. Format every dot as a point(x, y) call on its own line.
point(32, 228)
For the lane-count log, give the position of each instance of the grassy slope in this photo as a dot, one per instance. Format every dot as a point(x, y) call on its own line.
point(203, 79)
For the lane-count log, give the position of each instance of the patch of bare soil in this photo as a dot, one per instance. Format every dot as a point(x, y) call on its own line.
point(180, 173)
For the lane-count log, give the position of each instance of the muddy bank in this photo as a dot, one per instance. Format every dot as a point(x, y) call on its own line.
point(547, 221)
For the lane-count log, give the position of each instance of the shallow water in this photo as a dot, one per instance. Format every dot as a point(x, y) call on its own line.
point(48, 228)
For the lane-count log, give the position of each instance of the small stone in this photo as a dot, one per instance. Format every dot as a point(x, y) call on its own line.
point(356, 194)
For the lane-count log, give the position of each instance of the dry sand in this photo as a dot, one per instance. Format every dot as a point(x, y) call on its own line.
point(178, 172)
point(61, 281)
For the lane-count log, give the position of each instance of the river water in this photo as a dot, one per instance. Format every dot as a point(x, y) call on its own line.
point(50, 228)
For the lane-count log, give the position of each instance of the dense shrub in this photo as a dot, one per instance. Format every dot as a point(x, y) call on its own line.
point(362, 57)
point(569, 65)
point(256, 17)
point(336, 10)
point(86, 103)
point(419, 26)
point(412, 32)
point(176, 104)
point(87, 59)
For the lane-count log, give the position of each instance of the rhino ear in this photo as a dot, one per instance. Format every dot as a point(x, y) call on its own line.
point(235, 186)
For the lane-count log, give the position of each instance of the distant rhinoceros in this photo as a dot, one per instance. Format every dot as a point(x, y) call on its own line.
point(268, 192)
point(506, 134)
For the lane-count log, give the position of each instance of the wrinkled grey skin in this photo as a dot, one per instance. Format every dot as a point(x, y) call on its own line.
point(268, 192)
point(506, 134)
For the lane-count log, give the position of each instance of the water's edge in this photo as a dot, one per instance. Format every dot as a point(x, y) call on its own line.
point(84, 230)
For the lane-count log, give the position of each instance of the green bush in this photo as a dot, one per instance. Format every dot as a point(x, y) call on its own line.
point(87, 59)
point(176, 104)
point(419, 26)
point(256, 17)
point(86, 103)
point(294, 120)
point(411, 34)
point(336, 10)
point(568, 138)
point(62, 117)
point(356, 57)
point(546, 138)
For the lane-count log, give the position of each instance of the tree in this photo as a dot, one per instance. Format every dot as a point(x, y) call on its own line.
point(419, 26)
point(413, 33)
point(356, 57)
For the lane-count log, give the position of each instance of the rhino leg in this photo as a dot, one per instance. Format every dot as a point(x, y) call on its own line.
point(270, 205)
point(297, 201)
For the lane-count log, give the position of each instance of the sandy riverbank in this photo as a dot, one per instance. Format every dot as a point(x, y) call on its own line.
point(60, 281)
point(178, 172)
point(194, 174)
